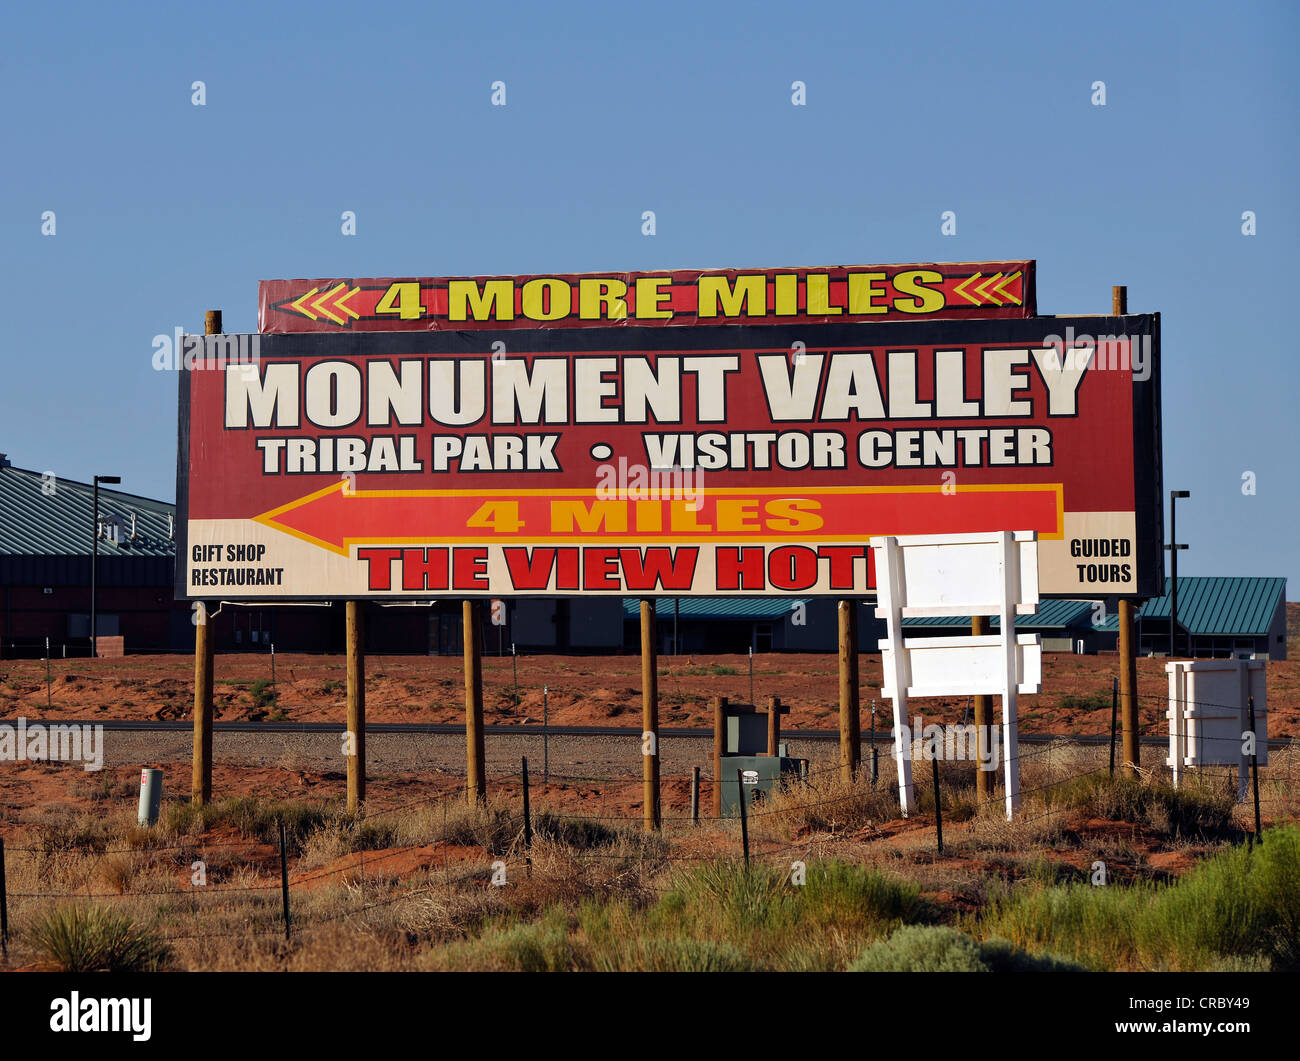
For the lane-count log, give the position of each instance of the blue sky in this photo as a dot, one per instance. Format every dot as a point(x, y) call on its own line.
point(165, 209)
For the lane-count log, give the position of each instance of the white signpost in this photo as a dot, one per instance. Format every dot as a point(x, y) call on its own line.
point(1209, 716)
point(958, 574)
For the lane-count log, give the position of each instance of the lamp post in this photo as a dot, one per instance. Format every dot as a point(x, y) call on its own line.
point(1173, 547)
point(94, 562)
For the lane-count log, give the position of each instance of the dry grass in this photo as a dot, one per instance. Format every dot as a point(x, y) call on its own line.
point(605, 895)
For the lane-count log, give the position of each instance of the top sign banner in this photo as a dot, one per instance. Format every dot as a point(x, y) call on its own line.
point(839, 294)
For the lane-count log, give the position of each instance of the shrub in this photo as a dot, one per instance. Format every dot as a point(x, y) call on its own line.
point(922, 949)
point(1239, 909)
point(76, 939)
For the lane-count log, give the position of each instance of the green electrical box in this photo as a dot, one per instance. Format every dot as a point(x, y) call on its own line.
point(755, 776)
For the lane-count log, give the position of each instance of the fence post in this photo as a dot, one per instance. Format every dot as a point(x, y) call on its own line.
point(695, 795)
point(528, 822)
point(1254, 768)
point(275, 689)
point(744, 816)
point(875, 756)
point(719, 746)
point(4, 903)
point(938, 804)
point(546, 736)
point(284, 879)
point(1114, 714)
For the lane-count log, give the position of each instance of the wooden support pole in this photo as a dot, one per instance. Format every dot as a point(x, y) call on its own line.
point(201, 775)
point(1128, 685)
point(1128, 701)
point(773, 725)
point(649, 718)
point(984, 735)
point(475, 762)
point(356, 655)
point(850, 732)
point(719, 704)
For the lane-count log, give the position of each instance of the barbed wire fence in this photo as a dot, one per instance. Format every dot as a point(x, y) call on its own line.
point(224, 888)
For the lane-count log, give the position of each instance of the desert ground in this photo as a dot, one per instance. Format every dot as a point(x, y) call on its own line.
point(423, 878)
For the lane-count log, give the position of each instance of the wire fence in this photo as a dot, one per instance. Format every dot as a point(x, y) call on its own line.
point(255, 886)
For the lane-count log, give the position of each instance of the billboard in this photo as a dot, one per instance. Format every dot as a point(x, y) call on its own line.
point(665, 461)
point(679, 297)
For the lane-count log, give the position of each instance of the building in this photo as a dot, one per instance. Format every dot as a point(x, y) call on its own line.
point(46, 525)
point(738, 625)
point(1062, 625)
point(1217, 618)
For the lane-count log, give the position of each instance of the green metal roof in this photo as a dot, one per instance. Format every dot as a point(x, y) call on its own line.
point(1051, 615)
point(751, 608)
point(1224, 607)
point(54, 517)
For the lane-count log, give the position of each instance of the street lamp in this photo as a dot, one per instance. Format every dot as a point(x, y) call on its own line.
point(1173, 548)
point(112, 480)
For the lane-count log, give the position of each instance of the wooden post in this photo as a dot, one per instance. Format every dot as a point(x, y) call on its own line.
point(774, 710)
point(695, 798)
point(719, 749)
point(201, 775)
point(356, 654)
point(528, 820)
point(1128, 702)
point(284, 880)
point(979, 626)
point(938, 805)
point(1128, 685)
point(850, 734)
point(649, 718)
point(475, 762)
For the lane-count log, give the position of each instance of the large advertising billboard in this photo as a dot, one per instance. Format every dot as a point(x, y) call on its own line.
point(664, 461)
point(682, 297)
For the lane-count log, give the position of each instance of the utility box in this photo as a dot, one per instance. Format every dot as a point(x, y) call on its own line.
point(746, 731)
point(1209, 714)
point(753, 777)
point(749, 759)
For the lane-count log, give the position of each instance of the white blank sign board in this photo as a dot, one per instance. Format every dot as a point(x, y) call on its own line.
point(963, 666)
point(949, 574)
point(1209, 710)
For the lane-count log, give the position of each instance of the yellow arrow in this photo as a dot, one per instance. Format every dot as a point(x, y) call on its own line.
point(983, 289)
point(298, 304)
point(342, 303)
point(323, 309)
point(1002, 289)
point(961, 288)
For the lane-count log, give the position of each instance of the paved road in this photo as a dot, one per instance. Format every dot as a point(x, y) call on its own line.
point(400, 748)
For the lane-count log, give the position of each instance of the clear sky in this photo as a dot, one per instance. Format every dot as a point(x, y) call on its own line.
point(164, 209)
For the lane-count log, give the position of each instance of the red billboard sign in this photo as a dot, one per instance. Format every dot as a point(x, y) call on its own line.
point(971, 290)
point(666, 461)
